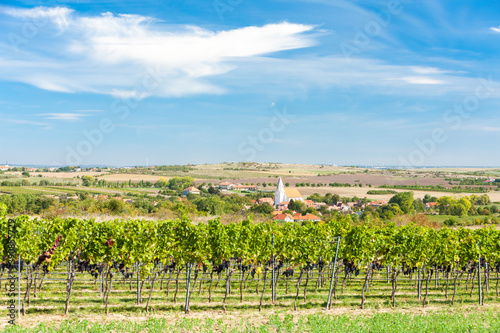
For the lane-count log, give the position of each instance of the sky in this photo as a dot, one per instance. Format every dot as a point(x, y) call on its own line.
point(374, 83)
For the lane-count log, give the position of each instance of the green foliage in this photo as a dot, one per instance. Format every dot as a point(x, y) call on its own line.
point(329, 198)
point(404, 200)
point(297, 206)
point(451, 206)
point(143, 241)
point(418, 205)
point(213, 205)
point(451, 222)
point(376, 192)
point(3, 209)
point(387, 322)
point(428, 198)
point(265, 208)
point(180, 183)
point(87, 180)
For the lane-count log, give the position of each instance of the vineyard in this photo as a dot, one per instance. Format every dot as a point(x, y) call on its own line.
point(138, 265)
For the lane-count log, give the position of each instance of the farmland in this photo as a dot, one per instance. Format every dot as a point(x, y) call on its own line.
point(155, 193)
point(110, 270)
point(257, 173)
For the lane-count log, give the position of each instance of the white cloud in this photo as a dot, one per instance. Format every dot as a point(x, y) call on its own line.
point(60, 16)
point(137, 56)
point(495, 29)
point(296, 77)
point(422, 80)
point(491, 129)
point(427, 70)
point(89, 111)
point(133, 56)
point(44, 126)
point(63, 116)
point(126, 94)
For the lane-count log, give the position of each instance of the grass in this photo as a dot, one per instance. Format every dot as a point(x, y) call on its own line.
point(318, 323)
point(26, 190)
point(462, 221)
point(86, 300)
point(86, 307)
point(57, 190)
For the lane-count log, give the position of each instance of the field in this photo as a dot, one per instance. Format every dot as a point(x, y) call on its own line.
point(258, 173)
point(462, 220)
point(59, 175)
point(361, 192)
point(125, 177)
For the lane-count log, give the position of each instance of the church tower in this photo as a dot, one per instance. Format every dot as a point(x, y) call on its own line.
point(279, 195)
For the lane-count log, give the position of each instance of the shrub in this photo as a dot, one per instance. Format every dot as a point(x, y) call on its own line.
point(451, 222)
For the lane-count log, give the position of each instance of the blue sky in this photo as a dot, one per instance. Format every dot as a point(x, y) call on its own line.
point(298, 81)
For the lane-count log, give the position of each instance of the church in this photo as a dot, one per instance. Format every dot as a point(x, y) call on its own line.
point(283, 194)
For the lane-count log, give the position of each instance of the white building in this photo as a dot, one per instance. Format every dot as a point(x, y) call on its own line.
point(283, 195)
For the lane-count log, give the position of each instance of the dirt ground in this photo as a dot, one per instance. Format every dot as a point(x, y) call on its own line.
point(374, 179)
point(60, 175)
point(361, 192)
point(230, 317)
point(125, 177)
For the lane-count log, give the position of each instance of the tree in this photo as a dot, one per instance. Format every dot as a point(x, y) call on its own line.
point(26, 173)
point(404, 201)
point(116, 205)
point(213, 190)
point(428, 198)
point(419, 205)
point(311, 210)
point(161, 183)
point(265, 208)
point(390, 211)
point(180, 183)
point(87, 180)
point(297, 206)
point(451, 206)
point(212, 205)
point(316, 197)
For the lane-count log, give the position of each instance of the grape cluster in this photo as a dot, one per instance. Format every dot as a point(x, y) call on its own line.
point(11, 266)
point(288, 272)
point(86, 266)
point(47, 255)
point(222, 267)
point(350, 268)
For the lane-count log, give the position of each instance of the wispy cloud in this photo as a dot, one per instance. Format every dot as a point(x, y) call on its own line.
point(64, 116)
point(43, 125)
point(60, 16)
point(375, 76)
point(496, 29)
point(422, 80)
point(491, 129)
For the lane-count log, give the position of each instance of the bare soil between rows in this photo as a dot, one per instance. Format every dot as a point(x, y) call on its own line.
point(234, 318)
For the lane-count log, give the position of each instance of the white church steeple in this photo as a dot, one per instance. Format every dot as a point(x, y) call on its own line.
point(279, 195)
